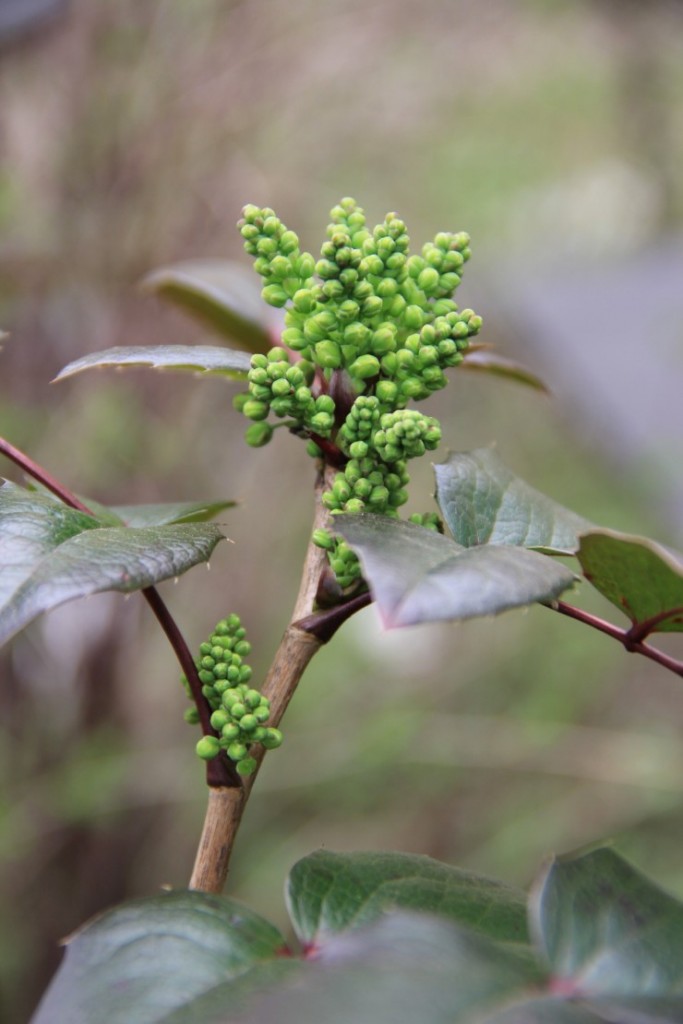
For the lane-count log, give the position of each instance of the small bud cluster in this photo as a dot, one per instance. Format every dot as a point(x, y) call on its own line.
point(368, 329)
point(238, 712)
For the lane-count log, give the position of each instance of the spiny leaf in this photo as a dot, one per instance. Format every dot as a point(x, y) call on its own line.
point(224, 295)
point(200, 359)
point(148, 959)
point(52, 554)
point(417, 575)
point(642, 578)
point(331, 892)
point(483, 502)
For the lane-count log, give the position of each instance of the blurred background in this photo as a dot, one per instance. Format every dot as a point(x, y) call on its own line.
point(130, 136)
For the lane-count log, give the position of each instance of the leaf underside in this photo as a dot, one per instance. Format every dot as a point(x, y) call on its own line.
point(640, 577)
point(482, 360)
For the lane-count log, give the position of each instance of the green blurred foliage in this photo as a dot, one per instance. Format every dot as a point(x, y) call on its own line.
point(131, 136)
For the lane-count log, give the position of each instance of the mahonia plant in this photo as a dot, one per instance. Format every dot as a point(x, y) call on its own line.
point(369, 328)
point(239, 713)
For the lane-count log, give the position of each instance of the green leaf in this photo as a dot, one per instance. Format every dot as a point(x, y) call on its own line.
point(643, 579)
point(170, 512)
point(204, 359)
point(32, 525)
point(402, 969)
point(612, 937)
point(483, 360)
point(331, 892)
point(224, 295)
point(417, 575)
point(483, 502)
point(151, 958)
point(54, 554)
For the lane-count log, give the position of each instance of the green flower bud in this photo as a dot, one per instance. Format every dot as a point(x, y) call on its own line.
point(255, 410)
point(218, 719)
point(191, 716)
point(272, 739)
point(248, 723)
point(261, 713)
point(364, 367)
point(237, 750)
point(328, 354)
point(354, 506)
point(246, 766)
point(323, 539)
point(208, 747)
point(358, 450)
point(258, 434)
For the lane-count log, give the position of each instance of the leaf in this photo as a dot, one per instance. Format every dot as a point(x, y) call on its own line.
point(643, 579)
point(223, 294)
point(483, 502)
point(170, 512)
point(204, 359)
point(485, 361)
point(401, 969)
point(612, 937)
point(149, 958)
point(417, 575)
point(330, 892)
point(51, 554)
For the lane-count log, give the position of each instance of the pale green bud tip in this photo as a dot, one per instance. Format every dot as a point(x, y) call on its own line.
point(258, 434)
point(272, 739)
point(322, 539)
point(208, 747)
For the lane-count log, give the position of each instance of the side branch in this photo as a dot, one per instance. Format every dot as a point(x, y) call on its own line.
point(624, 636)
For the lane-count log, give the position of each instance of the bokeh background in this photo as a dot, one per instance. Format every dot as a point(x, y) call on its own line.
point(131, 133)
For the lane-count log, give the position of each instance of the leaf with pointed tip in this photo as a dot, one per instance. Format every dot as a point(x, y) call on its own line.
point(330, 892)
point(483, 502)
point(485, 361)
point(200, 359)
point(52, 554)
point(612, 937)
point(169, 512)
point(151, 959)
point(417, 575)
point(224, 295)
point(643, 579)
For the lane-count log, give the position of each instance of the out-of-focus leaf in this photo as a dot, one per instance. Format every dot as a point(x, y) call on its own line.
point(612, 937)
point(332, 892)
point(170, 512)
point(483, 502)
point(150, 959)
point(643, 579)
point(401, 969)
point(417, 575)
point(486, 361)
point(51, 554)
point(224, 295)
point(203, 359)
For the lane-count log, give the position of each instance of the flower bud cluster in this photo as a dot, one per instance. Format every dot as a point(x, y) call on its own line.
point(368, 329)
point(239, 713)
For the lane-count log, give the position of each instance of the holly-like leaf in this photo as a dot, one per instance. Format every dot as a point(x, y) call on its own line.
point(401, 969)
point(200, 359)
point(643, 579)
point(225, 296)
point(169, 512)
point(52, 554)
point(417, 575)
point(151, 959)
point(483, 360)
point(483, 502)
point(612, 937)
point(330, 892)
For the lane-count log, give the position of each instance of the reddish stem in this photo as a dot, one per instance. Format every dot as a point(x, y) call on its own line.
point(622, 635)
point(219, 771)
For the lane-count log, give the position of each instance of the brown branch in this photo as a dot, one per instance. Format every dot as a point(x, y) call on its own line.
point(622, 635)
